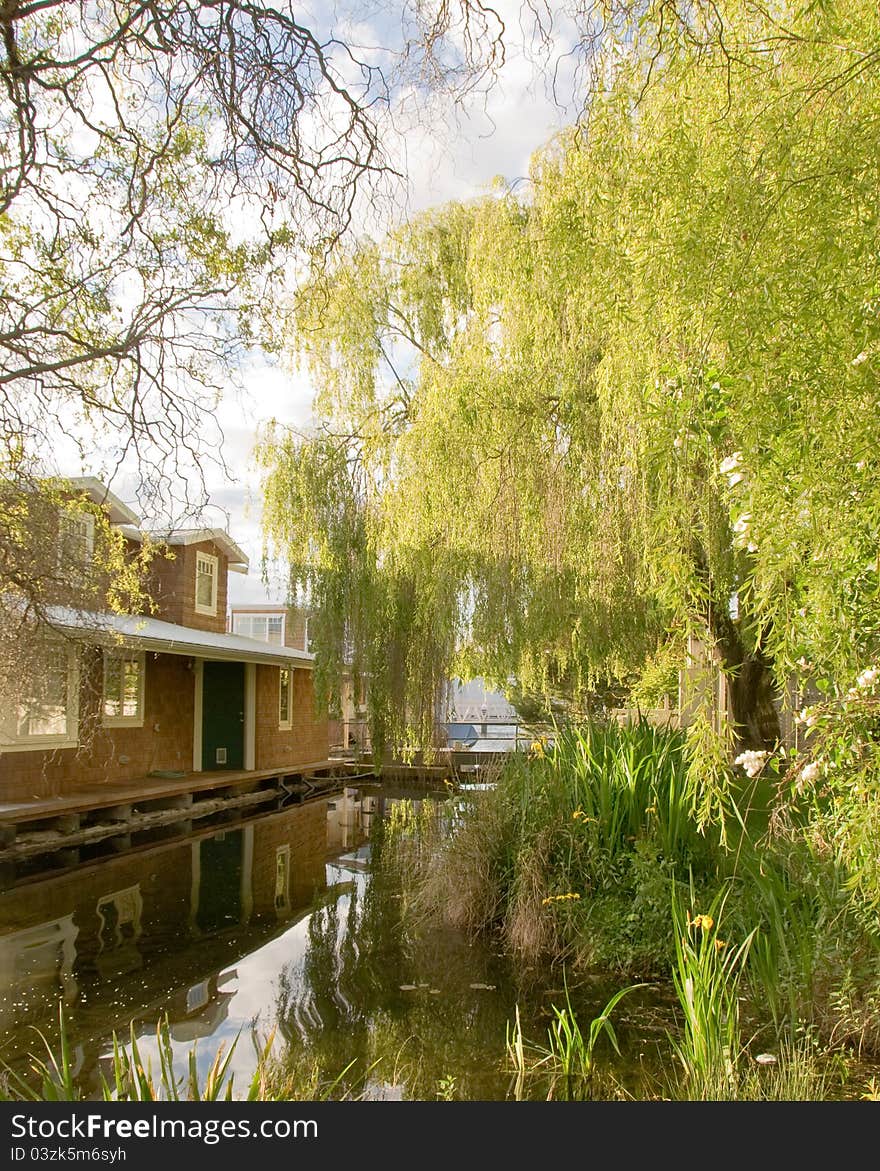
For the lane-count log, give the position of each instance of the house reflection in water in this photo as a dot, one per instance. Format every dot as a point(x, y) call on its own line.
point(160, 930)
point(350, 817)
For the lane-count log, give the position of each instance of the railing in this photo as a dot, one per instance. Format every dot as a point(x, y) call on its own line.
point(502, 735)
point(350, 739)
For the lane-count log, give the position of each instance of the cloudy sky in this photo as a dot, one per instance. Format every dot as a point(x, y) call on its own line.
point(454, 153)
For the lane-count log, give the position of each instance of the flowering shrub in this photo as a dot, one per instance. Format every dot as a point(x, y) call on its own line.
point(752, 761)
point(832, 784)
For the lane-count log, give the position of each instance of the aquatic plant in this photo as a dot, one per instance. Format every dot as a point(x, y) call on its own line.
point(603, 812)
point(567, 1062)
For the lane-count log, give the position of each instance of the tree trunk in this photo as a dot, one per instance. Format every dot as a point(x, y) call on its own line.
point(751, 686)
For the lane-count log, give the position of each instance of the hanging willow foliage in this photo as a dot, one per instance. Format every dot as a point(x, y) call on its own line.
point(558, 429)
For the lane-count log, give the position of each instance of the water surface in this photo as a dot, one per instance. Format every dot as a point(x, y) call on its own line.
point(280, 927)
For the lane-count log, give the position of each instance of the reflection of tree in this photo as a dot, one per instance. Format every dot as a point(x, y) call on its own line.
point(346, 1002)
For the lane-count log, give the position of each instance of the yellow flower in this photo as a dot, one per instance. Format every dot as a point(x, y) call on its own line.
point(719, 944)
point(704, 921)
point(579, 815)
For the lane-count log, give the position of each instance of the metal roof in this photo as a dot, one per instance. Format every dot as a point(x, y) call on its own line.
point(152, 634)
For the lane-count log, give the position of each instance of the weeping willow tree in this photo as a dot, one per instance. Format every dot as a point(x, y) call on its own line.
point(561, 429)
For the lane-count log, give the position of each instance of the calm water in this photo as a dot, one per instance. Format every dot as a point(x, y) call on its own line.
point(277, 924)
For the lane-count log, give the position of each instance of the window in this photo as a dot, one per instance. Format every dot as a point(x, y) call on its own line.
point(76, 540)
point(123, 704)
point(46, 715)
point(282, 879)
point(206, 583)
point(265, 627)
point(119, 915)
point(284, 698)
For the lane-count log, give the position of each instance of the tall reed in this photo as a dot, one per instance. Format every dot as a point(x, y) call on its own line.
point(597, 813)
point(629, 781)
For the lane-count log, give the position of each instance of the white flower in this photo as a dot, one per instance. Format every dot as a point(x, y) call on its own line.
point(859, 358)
point(809, 772)
point(741, 524)
point(752, 761)
point(867, 677)
point(735, 478)
point(752, 547)
point(678, 441)
point(731, 463)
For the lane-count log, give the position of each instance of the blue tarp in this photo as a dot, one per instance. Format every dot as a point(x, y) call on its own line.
point(461, 733)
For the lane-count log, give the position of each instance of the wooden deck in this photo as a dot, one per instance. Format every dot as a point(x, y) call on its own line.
point(120, 815)
point(146, 790)
point(123, 815)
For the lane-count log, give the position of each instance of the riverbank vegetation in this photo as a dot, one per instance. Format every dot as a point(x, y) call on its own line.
point(589, 855)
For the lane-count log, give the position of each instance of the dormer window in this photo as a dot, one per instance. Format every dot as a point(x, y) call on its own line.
point(264, 627)
point(76, 540)
point(207, 569)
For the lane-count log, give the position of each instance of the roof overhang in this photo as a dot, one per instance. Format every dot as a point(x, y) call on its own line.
point(238, 559)
point(152, 634)
point(118, 512)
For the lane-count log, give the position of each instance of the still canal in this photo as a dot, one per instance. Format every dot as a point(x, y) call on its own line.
point(282, 927)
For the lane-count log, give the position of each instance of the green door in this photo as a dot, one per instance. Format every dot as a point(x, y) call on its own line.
point(219, 881)
point(222, 716)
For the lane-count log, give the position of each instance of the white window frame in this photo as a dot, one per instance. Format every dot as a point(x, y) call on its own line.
point(121, 721)
point(239, 620)
point(214, 562)
point(66, 520)
point(284, 725)
point(13, 741)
